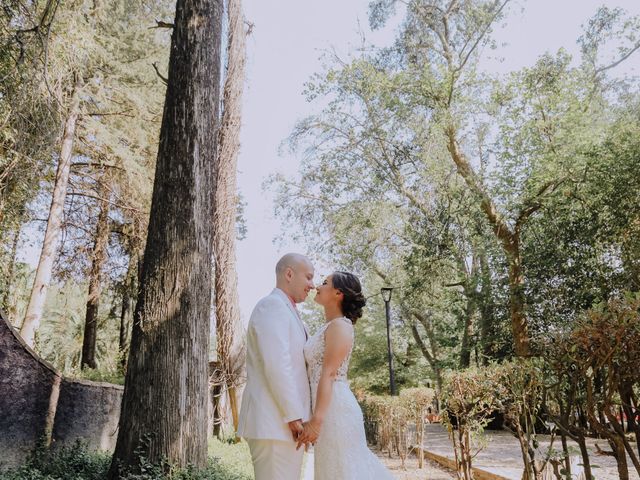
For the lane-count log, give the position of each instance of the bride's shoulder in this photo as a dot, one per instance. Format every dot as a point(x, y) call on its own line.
point(340, 324)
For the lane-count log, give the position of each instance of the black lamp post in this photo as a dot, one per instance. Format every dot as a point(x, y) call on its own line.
point(386, 296)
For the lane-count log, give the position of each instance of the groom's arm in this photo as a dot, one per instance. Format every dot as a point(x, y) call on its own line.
point(272, 330)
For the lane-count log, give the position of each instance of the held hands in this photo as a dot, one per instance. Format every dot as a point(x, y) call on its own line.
point(309, 434)
point(296, 428)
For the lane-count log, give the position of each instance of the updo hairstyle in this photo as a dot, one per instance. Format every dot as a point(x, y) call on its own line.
point(353, 300)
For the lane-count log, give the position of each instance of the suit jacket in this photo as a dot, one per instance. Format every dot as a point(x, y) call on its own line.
point(277, 389)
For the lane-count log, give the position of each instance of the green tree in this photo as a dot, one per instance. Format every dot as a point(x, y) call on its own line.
point(376, 187)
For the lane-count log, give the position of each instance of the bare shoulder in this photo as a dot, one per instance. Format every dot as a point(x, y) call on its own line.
point(339, 328)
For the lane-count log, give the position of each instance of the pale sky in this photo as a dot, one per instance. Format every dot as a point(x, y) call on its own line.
point(284, 51)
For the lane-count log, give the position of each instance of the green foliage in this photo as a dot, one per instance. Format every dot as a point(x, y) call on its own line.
point(552, 149)
point(587, 376)
point(77, 462)
point(471, 396)
point(69, 463)
point(605, 348)
point(369, 369)
point(585, 250)
point(61, 334)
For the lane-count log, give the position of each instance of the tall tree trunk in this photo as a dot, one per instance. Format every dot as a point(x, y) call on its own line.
point(519, 325)
point(95, 283)
point(230, 340)
point(486, 309)
point(164, 407)
point(467, 333)
point(470, 294)
point(49, 252)
point(129, 288)
point(430, 357)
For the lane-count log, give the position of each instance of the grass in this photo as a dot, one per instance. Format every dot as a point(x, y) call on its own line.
point(233, 457)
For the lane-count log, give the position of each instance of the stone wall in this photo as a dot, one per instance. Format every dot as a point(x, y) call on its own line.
point(36, 402)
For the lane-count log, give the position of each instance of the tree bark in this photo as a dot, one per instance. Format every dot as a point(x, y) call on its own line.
point(486, 309)
point(49, 252)
point(519, 325)
point(429, 356)
point(129, 288)
point(230, 340)
point(95, 284)
point(509, 239)
point(164, 407)
point(469, 291)
point(467, 333)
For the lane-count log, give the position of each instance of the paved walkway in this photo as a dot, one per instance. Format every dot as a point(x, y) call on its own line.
point(431, 470)
point(502, 454)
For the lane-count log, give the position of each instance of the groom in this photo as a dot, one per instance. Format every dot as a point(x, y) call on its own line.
point(277, 398)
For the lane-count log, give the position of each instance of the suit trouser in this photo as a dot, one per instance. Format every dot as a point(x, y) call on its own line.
point(275, 459)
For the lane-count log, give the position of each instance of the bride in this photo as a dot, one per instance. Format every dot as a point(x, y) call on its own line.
point(336, 426)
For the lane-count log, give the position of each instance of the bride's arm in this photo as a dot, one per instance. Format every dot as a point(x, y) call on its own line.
point(338, 340)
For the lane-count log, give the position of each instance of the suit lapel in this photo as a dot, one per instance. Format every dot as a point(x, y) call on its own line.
point(283, 296)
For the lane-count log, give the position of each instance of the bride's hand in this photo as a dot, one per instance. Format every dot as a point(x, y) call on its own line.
point(310, 433)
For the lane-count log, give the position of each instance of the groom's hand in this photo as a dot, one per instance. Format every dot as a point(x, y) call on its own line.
point(296, 428)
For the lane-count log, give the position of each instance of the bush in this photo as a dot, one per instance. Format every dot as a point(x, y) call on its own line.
point(231, 462)
point(66, 463)
point(388, 419)
point(470, 398)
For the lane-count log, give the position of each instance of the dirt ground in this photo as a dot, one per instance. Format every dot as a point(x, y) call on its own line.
point(430, 470)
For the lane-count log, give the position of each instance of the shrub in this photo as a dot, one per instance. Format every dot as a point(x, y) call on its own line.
point(418, 402)
point(387, 419)
point(66, 463)
point(470, 398)
point(79, 463)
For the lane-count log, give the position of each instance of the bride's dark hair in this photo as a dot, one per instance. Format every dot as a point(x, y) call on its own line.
point(353, 300)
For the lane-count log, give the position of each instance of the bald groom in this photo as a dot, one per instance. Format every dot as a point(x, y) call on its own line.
point(277, 398)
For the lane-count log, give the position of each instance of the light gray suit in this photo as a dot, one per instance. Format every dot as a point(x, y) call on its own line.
point(277, 389)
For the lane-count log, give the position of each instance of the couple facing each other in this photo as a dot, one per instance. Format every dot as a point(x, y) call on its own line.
point(297, 391)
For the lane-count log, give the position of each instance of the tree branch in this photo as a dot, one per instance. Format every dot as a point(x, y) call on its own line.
point(165, 80)
point(481, 36)
point(620, 60)
point(114, 204)
point(500, 227)
point(534, 204)
point(423, 348)
point(161, 24)
point(124, 113)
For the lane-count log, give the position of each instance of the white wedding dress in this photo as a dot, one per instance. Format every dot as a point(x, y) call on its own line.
point(341, 451)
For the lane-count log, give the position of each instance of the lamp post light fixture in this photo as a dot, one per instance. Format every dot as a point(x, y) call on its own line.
point(386, 296)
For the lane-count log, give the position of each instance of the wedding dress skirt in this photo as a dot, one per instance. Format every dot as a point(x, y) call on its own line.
point(341, 451)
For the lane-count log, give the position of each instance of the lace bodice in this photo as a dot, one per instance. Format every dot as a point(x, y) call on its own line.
point(314, 355)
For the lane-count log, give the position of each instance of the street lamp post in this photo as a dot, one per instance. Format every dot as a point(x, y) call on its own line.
point(386, 296)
